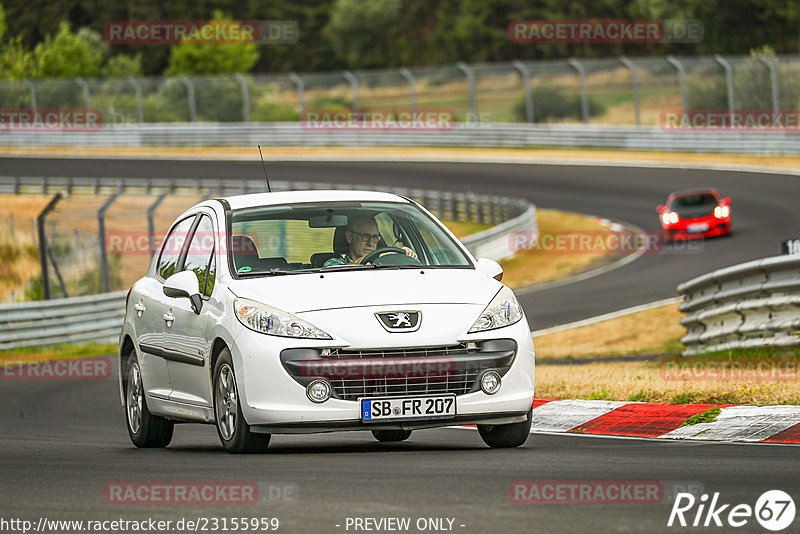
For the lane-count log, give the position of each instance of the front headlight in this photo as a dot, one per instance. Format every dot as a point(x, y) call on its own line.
point(272, 321)
point(503, 310)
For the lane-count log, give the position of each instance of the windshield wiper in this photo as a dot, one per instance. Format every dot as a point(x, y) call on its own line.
point(273, 271)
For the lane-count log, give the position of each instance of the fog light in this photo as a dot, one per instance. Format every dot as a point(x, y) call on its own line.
point(318, 391)
point(490, 382)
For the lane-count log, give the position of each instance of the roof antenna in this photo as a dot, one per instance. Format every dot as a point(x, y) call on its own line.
point(269, 190)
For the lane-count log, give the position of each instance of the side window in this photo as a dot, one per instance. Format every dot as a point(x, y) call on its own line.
point(172, 247)
point(212, 276)
point(200, 253)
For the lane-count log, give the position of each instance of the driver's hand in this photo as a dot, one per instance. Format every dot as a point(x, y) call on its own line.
point(411, 253)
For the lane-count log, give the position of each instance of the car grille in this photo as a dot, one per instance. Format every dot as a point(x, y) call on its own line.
point(383, 372)
point(454, 381)
point(343, 354)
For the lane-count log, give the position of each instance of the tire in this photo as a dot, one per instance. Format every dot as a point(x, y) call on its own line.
point(145, 429)
point(506, 436)
point(233, 431)
point(389, 436)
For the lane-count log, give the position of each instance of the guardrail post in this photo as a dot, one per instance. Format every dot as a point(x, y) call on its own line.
point(101, 230)
point(473, 103)
point(412, 87)
point(151, 227)
point(728, 82)
point(301, 90)
point(190, 96)
point(139, 105)
point(575, 64)
point(245, 96)
point(40, 220)
point(32, 90)
point(634, 86)
point(526, 89)
point(773, 79)
point(681, 80)
point(85, 86)
point(347, 75)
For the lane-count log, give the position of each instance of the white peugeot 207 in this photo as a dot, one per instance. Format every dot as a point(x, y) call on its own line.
point(320, 311)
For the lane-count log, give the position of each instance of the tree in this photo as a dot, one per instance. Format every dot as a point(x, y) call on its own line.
point(15, 62)
point(363, 33)
point(69, 55)
point(212, 58)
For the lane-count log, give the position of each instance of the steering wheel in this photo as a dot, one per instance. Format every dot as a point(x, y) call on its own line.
point(372, 256)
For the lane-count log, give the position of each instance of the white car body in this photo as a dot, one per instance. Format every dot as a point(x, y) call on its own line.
point(176, 357)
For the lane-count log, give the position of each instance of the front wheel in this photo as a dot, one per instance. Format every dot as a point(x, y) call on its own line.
point(144, 428)
point(389, 436)
point(233, 430)
point(506, 436)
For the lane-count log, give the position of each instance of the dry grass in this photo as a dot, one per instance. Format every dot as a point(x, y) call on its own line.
point(647, 381)
point(463, 229)
point(537, 265)
point(654, 331)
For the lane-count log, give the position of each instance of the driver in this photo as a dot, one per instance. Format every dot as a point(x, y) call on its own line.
point(362, 238)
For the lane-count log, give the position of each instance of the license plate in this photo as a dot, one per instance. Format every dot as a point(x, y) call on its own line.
point(694, 228)
point(406, 408)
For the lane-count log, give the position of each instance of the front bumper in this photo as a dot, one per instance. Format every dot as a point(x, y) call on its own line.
point(716, 227)
point(274, 401)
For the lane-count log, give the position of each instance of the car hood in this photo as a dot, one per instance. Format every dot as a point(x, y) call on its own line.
point(298, 293)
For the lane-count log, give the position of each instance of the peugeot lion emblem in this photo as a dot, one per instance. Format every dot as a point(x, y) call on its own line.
point(400, 321)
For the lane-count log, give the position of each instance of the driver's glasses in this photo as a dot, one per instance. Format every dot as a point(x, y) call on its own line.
point(368, 237)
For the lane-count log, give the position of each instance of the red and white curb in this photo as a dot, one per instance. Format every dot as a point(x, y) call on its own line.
point(764, 424)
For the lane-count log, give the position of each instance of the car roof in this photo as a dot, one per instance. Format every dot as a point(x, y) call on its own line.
point(316, 195)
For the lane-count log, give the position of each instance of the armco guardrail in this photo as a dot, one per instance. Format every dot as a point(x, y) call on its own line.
point(748, 305)
point(462, 135)
point(72, 320)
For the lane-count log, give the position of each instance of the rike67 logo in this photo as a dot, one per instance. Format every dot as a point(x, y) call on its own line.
point(774, 510)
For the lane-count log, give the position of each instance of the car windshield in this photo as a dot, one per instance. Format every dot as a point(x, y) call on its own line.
point(702, 200)
point(335, 235)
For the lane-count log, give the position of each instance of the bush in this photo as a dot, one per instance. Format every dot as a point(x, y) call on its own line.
point(268, 111)
point(552, 103)
point(331, 102)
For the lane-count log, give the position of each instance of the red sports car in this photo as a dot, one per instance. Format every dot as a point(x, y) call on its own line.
point(695, 213)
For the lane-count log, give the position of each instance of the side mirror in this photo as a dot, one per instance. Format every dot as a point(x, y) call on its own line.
point(491, 268)
point(726, 201)
point(660, 208)
point(184, 285)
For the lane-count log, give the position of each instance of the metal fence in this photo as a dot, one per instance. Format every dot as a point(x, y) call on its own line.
point(483, 135)
point(752, 304)
point(622, 90)
point(98, 234)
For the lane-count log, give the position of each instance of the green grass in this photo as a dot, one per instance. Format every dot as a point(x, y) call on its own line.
point(56, 352)
point(704, 417)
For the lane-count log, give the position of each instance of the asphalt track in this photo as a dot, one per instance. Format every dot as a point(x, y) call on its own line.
point(62, 442)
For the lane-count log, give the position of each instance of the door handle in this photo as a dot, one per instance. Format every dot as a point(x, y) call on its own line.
point(139, 309)
point(168, 317)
